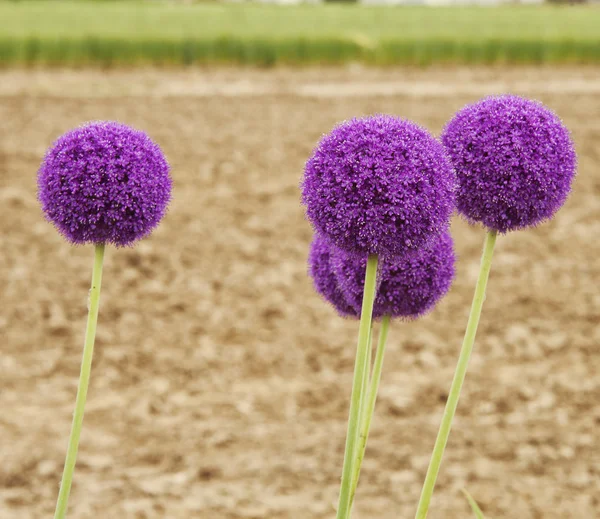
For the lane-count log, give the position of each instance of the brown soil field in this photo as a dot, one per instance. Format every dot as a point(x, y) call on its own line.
point(221, 382)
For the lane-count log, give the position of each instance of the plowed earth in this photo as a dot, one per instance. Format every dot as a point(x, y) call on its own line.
point(221, 382)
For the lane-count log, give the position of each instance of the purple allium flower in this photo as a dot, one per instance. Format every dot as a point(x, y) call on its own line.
point(324, 280)
point(104, 182)
point(379, 185)
point(514, 159)
point(409, 286)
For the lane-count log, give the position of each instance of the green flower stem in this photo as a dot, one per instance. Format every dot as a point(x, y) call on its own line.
point(369, 357)
point(366, 380)
point(474, 506)
point(360, 370)
point(84, 379)
point(459, 376)
point(363, 395)
point(367, 416)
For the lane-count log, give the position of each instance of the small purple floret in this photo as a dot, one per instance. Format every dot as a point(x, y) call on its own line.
point(514, 159)
point(104, 182)
point(379, 185)
point(324, 280)
point(409, 287)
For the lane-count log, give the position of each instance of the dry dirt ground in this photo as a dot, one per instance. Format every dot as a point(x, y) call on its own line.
point(221, 381)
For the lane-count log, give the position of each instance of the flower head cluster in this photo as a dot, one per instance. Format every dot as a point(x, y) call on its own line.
point(514, 159)
point(324, 280)
point(104, 182)
point(408, 287)
point(379, 185)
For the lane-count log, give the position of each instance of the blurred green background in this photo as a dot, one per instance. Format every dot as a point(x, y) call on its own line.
point(173, 33)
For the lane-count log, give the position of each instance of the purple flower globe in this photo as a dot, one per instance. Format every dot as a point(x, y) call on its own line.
point(379, 185)
point(409, 286)
point(324, 280)
point(514, 159)
point(104, 182)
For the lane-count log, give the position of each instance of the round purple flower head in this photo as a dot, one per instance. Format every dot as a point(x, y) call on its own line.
point(324, 280)
point(379, 185)
point(514, 159)
point(409, 286)
point(104, 182)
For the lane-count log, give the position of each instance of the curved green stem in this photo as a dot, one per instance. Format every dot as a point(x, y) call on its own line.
point(459, 376)
point(360, 370)
point(369, 410)
point(84, 379)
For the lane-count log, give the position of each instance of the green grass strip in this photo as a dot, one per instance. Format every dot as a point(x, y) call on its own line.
point(110, 52)
point(133, 33)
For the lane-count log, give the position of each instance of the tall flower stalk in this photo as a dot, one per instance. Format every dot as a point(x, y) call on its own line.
point(369, 398)
point(515, 162)
point(358, 385)
point(409, 287)
point(84, 381)
point(378, 187)
point(102, 183)
point(459, 377)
